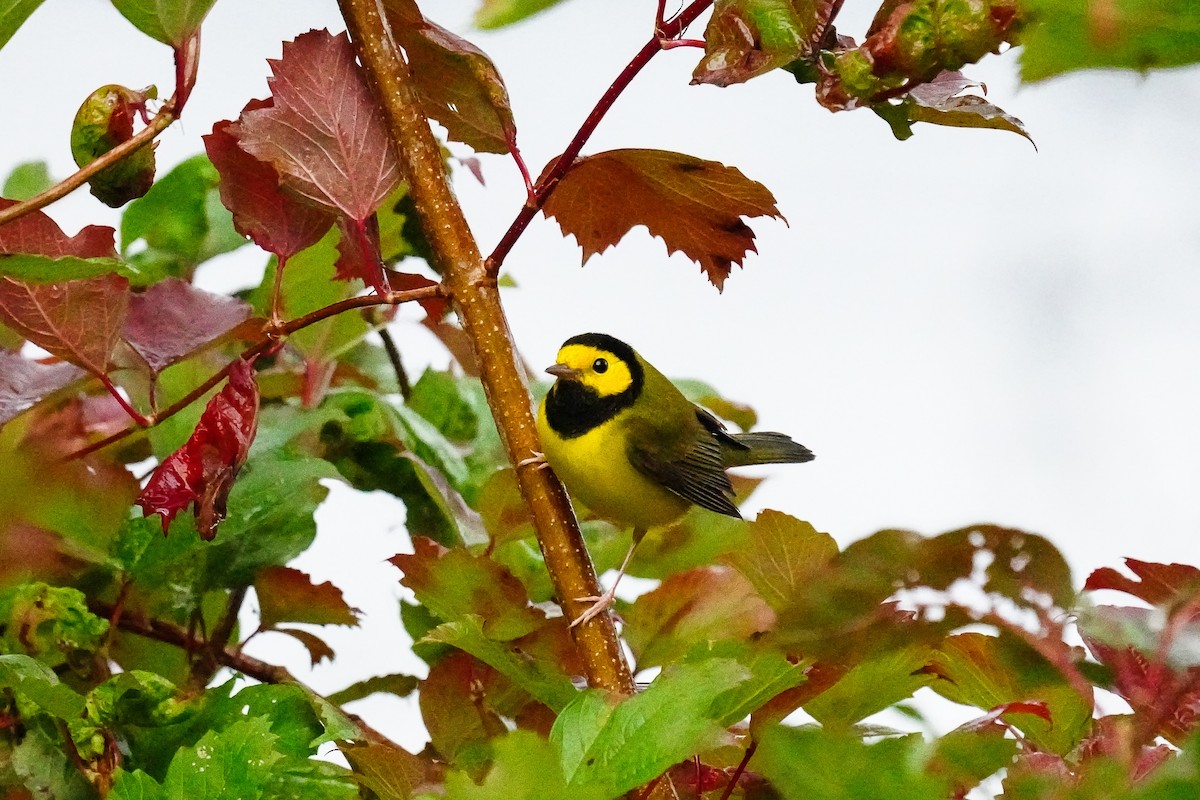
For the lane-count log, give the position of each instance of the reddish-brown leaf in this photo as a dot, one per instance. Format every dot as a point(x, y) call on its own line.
point(289, 595)
point(454, 708)
point(358, 253)
point(695, 206)
point(323, 133)
point(455, 583)
point(24, 381)
point(435, 307)
point(387, 770)
point(203, 470)
point(1157, 584)
point(745, 39)
point(277, 222)
point(941, 102)
point(988, 720)
point(37, 234)
point(78, 321)
point(458, 84)
point(173, 318)
point(318, 649)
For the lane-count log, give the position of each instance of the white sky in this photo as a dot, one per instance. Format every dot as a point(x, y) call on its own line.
point(962, 328)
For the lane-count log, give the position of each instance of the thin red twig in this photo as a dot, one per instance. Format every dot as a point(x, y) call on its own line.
point(737, 773)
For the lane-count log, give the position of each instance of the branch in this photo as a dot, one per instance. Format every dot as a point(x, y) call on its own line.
point(664, 32)
point(393, 353)
point(209, 659)
point(271, 338)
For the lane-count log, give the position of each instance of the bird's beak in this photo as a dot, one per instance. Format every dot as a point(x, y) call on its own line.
point(564, 372)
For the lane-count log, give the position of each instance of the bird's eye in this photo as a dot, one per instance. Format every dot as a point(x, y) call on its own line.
point(600, 365)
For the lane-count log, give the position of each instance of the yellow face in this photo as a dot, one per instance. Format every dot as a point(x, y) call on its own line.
point(598, 369)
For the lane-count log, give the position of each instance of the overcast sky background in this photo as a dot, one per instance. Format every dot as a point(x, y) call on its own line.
point(963, 329)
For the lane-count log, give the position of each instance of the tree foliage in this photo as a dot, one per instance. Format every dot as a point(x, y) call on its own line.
point(766, 651)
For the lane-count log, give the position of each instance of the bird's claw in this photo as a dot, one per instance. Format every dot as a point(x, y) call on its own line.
point(600, 604)
point(537, 459)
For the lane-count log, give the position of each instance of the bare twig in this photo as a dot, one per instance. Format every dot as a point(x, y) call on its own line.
point(393, 353)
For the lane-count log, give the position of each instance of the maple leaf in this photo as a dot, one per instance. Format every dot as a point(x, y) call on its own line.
point(277, 221)
point(1157, 584)
point(173, 318)
point(289, 595)
point(36, 233)
point(694, 206)
point(24, 381)
point(323, 132)
point(457, 83)
point(204, 468)
point(78, 321)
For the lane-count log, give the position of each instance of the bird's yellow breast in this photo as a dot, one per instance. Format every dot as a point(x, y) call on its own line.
point(596, 471)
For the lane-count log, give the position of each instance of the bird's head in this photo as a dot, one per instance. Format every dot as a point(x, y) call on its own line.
point(599, 364)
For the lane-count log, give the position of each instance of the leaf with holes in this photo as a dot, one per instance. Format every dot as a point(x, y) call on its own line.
point(324, 132)
point(289, 595)
point(78, 321)
point(457, 83)
point(694, 206)
point(1157, 584)
point(172, 319)
point(203, 470)
point(24, 381)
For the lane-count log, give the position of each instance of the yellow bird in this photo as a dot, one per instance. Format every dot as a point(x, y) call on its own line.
point(628, 445)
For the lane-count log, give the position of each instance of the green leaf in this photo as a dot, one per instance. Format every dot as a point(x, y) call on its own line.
point(135, 785)
point(288, 710)
point(181, 220)
point(498, 13)
point(781, 556)
point(13, 14)
point(1067, 35)
point(872, 685)
point(438, 398)
point(169, 21)
point(542, 679)
point(33, 681)
point(616, 746)
point(524, 767)
point(771, 673)
point(746, 38)
point(232, 764)
point(817, 764)
point(43, 269)
point(397, 684)
point(338, 726)
point(40, 764)
point(32, 177)
point(50, 623)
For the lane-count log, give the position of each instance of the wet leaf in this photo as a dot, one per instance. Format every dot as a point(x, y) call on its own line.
point(172, 319)
point(695, 206)
point(746, 38)
point(203, 470)
point(24, 381)
point(941, 102)
point(78, 321)
point(105, 120)
point(324, 132)
point(37, 233)
point(289, 595)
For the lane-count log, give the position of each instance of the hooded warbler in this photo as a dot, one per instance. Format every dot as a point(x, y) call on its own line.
point(628, 445)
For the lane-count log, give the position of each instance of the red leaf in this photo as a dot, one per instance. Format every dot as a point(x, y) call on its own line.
point(1157, 584)
point(203, 470)
point(289, 595)
point(173, 318)
point(358, 254)
point(276, 221)
point(695, 206)
point(324, 133)
point(457, 83)
point(37, 234)
point(435, 307)
point(1035, 707)
point(318, 649)
point(24, 381)
point(736, 49)
point(78, 321)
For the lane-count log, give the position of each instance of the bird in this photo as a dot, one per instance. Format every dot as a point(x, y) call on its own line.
point(627, 444)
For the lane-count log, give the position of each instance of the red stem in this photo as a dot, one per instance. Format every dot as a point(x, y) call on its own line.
point(737, 773)
point(187, 64)
point(667, 30)
point(671, 44)
point(133, 413)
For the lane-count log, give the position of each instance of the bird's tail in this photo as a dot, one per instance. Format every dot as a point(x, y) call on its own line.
point(765, 447)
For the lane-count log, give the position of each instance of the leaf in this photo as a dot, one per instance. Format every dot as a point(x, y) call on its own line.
point(1162, 585)
point(104, 121)
point(1132, 34)
point(746, 38)
point(391, 772)
point(28, 179)
point(78, 321)
point(396, 684)
point(543, 679)
point(233, 764)
point(455, 711)
point(696, 607)
point(13, 14)
point(203, 470)
point(781, 556)
point(324, 133)
point(872, 685)
point(136, 785)
point(318, 649)
point(181, 220)
point(917, 40)
point(694, 206)
point(524, 766)
point(818, 764)
point(33, 681)
point(940, 102)
point(289, 595)
point(619, 745)
point(498, 13)
point(37, 234)
point(44, 269)
point(24, 381)
point(171, 22)
point(277, 221)
point(172, 319)
point(457, 83)
point(454, 584)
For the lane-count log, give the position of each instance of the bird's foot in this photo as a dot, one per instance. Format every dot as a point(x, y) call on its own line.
point(600, 604)
point(537, 459)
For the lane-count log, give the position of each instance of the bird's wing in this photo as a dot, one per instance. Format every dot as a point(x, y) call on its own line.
point(696, 472)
